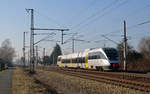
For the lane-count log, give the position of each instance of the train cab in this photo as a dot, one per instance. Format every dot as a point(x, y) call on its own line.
point(113, 57)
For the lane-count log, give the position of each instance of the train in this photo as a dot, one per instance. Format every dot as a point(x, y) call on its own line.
point(3, 66)
point(102, 59)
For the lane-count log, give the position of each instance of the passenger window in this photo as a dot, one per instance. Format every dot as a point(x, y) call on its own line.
point(102, 56)
point(98, 57)
point(83, 59)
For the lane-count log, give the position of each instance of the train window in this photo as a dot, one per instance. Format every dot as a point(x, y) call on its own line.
point(58, 58)
point(79, 60)
point(89, 57)
point(98, 57)
point(73, 60)
point(83, 59)
point(95, 57)
point(62, 60)
point(67, 60)
point(111, 53)
point(102, 56)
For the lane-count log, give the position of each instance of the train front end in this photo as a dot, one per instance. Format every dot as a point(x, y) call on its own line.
point(113, 57)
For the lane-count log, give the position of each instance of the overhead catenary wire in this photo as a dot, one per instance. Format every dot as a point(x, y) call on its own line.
point(135, 11)
point(95, 14)
point(132, 26)
point(82, 11)
point(129, 27)
point(50, 19)
point(100, 16)
point(104, 14)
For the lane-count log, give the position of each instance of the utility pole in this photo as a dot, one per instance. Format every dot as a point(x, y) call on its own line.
point(31, 40)
point(53, 59)
point(43, 54)
point(73, 43)
point(37, 55)
point(32, 56)
point(29, 59)
point(24, 49)
point(124, 47)
point(62, 34)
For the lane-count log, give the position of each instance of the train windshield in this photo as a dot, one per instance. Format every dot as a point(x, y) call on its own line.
point(111, 53)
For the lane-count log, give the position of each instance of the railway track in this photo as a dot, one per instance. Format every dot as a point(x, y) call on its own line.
point(120, 75)
point(121, 79)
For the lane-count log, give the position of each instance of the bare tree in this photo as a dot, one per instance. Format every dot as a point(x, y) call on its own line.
point(7, 53)
point(144, 47)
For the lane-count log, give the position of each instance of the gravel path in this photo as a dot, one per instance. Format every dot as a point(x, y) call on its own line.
point(6, 81)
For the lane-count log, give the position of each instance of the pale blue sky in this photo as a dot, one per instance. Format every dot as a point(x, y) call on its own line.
point(90, 18)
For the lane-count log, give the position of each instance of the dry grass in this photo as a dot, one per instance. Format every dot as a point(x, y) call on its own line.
point(24, 84)
point(1, 71)
point(75, 85)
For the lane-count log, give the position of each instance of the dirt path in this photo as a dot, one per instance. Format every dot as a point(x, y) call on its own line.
point(6, 81)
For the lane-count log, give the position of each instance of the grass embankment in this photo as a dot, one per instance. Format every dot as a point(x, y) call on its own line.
point(74, 85)
point(1, 71)
point(24, 84)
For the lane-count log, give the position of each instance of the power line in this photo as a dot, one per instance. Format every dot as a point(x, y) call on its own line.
point(100, 16)
point(81, 12)
point(106, 12)
point(127, 16)
point(130, 27)
point(95, 14)
point(144, 22)
point(137, 11)
point(50, 19)
point(117, 7)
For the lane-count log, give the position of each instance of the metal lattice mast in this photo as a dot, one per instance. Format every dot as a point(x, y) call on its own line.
point(31, 40)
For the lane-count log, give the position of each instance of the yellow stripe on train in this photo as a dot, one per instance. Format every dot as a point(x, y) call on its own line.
point(70, 61)
point(86, 60)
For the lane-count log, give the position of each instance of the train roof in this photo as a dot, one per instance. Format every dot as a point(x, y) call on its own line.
point(107, 48)
point(88, 50)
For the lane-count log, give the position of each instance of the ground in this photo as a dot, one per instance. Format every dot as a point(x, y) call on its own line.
point(6, 81)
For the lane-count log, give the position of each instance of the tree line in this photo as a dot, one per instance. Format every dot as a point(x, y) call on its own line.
point(52, 59)
point(138, 61)
point(7, 53)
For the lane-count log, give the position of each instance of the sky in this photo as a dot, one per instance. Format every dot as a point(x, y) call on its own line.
point(89, 19)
